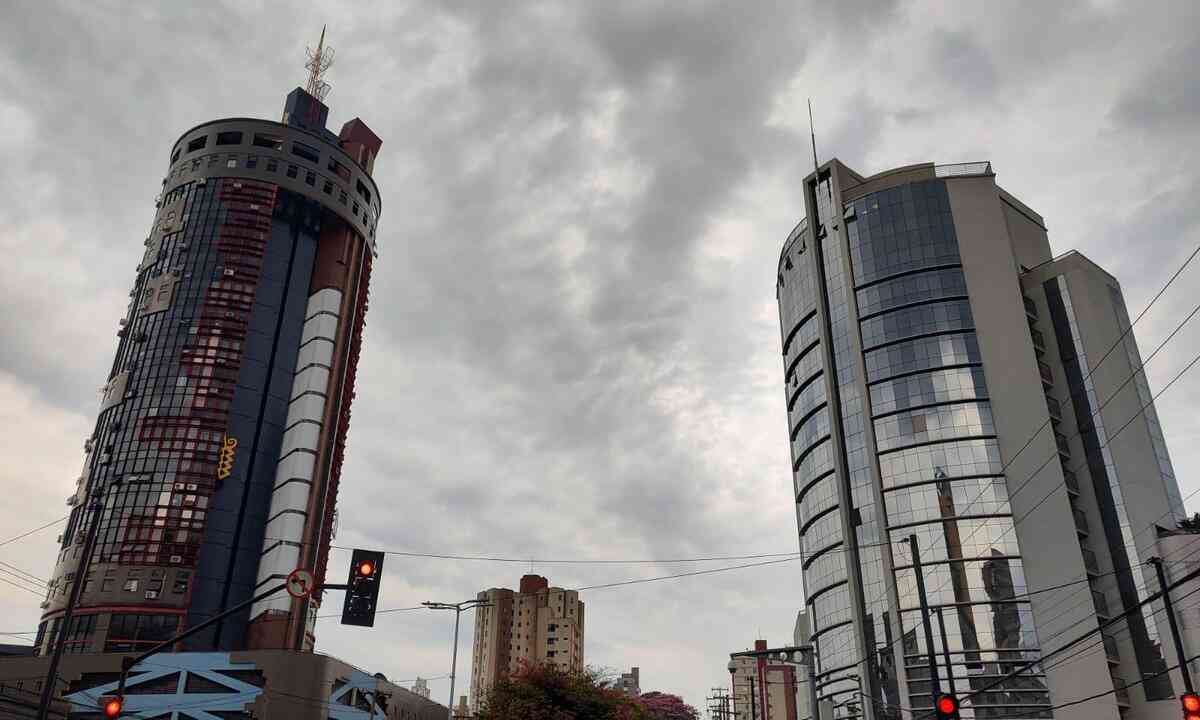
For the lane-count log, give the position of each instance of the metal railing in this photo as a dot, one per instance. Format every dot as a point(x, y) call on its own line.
point(962, 169)
point(1046, 373)
point(1061, 441)
point(1039, 341)
point(1054, 408)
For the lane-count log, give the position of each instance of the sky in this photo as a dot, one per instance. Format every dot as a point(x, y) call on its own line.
point(573, 345)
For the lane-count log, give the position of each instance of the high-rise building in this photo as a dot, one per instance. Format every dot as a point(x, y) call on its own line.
point(630, 683)
point(947, 377)
point(776, 681)
point(421, 687)
point(537, 625)
point(215, 461)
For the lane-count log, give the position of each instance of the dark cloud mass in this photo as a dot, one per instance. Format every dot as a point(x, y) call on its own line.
point(572, 350)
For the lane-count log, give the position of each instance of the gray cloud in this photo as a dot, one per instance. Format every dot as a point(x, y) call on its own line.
point(572, 349)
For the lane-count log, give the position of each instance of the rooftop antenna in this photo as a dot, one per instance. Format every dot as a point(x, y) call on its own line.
point(319, 61)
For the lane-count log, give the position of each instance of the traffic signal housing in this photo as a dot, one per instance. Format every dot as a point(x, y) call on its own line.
point(111, 705)
point(947, 707)
point(1191, 706)
point(362, 588)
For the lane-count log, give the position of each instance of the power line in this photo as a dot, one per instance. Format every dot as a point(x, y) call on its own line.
point(36, 529)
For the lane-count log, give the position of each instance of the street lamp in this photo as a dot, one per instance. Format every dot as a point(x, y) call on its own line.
point(458, 609)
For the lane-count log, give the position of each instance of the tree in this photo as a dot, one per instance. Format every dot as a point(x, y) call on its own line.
point(545, 692)
point(662, 706)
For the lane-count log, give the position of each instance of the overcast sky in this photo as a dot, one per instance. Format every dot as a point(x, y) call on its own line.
point(573, 347)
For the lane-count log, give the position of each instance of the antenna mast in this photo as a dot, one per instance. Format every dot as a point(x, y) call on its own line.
point(319, 61)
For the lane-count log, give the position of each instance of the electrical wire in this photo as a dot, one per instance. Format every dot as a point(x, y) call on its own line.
point(36, 529)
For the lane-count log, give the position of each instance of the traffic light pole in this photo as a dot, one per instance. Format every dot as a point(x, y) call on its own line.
point(1166, 597)
point(96, 508)
point(933, 676)
point(946, 651)
point(458, 609)
point(128, 663)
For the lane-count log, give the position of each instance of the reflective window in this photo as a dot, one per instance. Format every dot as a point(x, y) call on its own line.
point(820, 496)
point(803, 401)
point(928, 388)
point(815, 463)
point(824, 531)
point(812, 430)
point(957, 458)
point(832, 606)
point(957, 540)
point(910, 289)
point(942, 422)
point(991, 580)
point(826, 570)
point(922, 354)
point(947, 499)
point(802, 340)
point(918, 320)
point(901, 229)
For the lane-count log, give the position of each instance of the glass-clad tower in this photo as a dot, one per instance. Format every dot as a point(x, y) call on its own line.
point(214, 465)
point(936, 362)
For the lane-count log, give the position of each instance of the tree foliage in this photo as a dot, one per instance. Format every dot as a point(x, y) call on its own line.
point(544, 692)
point(663, 706)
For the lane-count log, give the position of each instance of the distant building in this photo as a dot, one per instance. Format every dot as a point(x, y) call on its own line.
point(630, 683)
point(778, 686)
point(461, 710)
point(421, 687)
point(536, 625)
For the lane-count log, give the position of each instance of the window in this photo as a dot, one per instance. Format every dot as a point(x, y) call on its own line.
point(363, 192)
point(175, 155)
point(252, 162)
point(272, 165)
point(328, 188)
point(306, 151)
point(107, 585)
point(342, 171)
point(342, 197)
point(229, 138)
point(310, 178)
point(131, 585)
point(197, 144)
point(268, 141)
point(231, 162)
point(292, 171)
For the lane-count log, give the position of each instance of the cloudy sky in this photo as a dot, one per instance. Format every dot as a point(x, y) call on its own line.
point(573, 348)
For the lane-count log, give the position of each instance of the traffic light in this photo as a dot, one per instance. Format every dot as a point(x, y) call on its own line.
point(111, 705)
point(1191, 706)
point(362, 588)
point(947, 707)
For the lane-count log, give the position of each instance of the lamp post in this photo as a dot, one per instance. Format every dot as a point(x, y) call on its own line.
point(458, 609)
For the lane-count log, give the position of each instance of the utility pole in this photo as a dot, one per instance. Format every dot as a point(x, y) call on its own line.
point(458, 609)
point(1166, 598)
point(753, 714)
point(946, 651)
point(95, 509)
point(916, 556)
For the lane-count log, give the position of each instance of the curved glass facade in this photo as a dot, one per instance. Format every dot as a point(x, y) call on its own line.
point(903, 398)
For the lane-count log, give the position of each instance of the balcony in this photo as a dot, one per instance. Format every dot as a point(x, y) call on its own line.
point(1110, 649)
point(1039, 341)
point(1089, 562)
point(1081, 523)
point(1054, 407)
point(1063, 448)
point(1030, 307)
point(1046, 373)
point(1071, 482)
point(1101, 604)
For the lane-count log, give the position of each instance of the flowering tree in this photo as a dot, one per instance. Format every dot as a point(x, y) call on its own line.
point(662, 706)
point(544, 692)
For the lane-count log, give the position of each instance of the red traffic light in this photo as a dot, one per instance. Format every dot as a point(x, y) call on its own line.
point(1190, 702)
point(947, 705)
point(112, 706)
point(366, 568)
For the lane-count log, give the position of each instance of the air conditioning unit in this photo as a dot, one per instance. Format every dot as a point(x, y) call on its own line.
point(151, 594)
point(176, 558)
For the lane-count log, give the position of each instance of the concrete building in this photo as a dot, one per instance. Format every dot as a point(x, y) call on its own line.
point(536, 625)
point(630, 683)
point(264, 684)
point(421, 687)
point(943, 377)
point(779, 686)
point(215, 462)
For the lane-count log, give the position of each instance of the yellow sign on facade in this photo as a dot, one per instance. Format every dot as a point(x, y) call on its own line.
point(225, 460)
